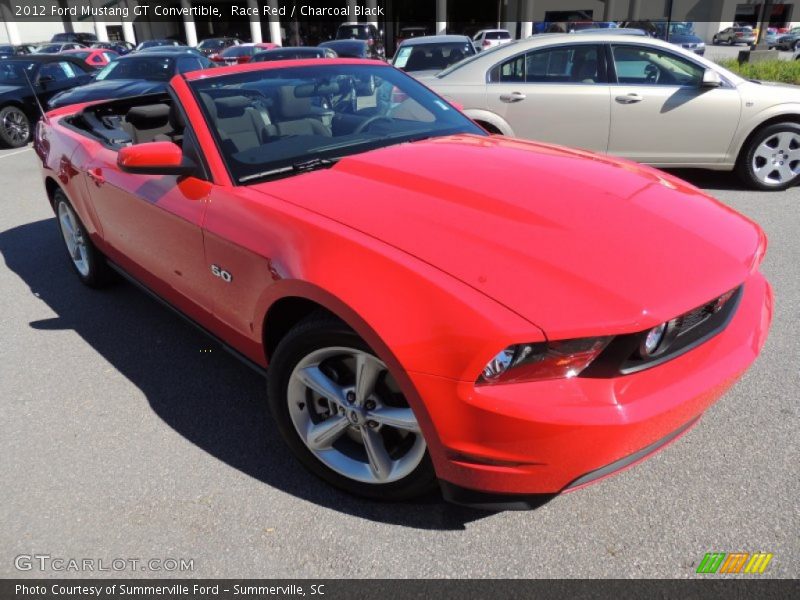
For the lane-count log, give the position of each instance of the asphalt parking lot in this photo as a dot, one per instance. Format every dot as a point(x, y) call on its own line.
point(126, 434)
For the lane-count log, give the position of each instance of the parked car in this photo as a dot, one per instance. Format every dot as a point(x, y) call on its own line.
point(174, 50)
point(242, 53)
point(735, 35)
point(458, 351)
point(58, 47)
point(365, 32)
point(157, 44)
point(489, 38)
point(94, 57)
point(293, 52)
point(16, 49)
point(681, 33)
point(48, 74)
point(133, 75)
point(771, 37)
point(561, 89)
point(789, 41)
point(430, 54)
point(614, 31)
point(121, 48)
point(81, 38)
point(211, 46)
point(407, 33)
point(575, 26)
point(353, 49)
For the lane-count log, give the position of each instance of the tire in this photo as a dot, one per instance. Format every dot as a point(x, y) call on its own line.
point(714, 41)
point(796, 45)
point(87, 261)
point(15, 127)
point(778, 146)
point(323, 351)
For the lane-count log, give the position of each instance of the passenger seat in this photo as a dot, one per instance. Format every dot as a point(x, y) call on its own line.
point(296, 115)
point(240, 125)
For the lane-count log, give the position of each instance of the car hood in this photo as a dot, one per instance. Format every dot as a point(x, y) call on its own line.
point(107, 89)
point(574, 242)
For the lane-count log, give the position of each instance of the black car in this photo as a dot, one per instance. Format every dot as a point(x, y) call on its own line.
point(156, 44)
point(81, 38)
point(16, 50)
point(48, 74)
point(366, 32)
point(133, 75)
point(352, 49)
point(293, 52)
point(211, 46)
point(120, 48)
point(56, 47)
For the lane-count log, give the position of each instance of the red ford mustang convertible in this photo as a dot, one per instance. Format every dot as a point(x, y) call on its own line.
point(435, 305)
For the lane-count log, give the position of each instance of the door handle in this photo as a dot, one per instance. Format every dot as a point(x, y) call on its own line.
point(96, 175)
point(629, 99)
point(512, 97)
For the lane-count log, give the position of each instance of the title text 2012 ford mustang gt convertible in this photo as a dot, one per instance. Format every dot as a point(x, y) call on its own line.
point(434, 304)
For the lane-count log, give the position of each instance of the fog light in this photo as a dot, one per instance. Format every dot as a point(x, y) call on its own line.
point(653, 340)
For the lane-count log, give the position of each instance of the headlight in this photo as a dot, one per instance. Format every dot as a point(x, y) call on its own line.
point(542, 360)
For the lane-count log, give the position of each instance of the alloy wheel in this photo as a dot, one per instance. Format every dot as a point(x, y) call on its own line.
point(776, 160)
point(349, 412)
point(74, 238)
point(15, 124)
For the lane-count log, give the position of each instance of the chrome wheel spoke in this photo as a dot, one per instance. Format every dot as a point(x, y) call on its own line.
point(765, 152)
point(399, 418)
point(380, 463)
point(323, 385)
point(368, 369)
point(785, 172)
point(322, 435)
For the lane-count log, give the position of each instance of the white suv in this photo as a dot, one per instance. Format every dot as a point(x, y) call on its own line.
point(488, 38)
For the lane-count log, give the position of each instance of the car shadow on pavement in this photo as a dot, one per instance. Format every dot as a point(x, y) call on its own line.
point(709, 181)
point(194, 386)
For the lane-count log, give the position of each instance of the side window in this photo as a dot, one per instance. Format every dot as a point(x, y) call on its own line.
point(60, 71)
point(576, 64)
point(637, 65)
point(564, 64)
point(188, 63)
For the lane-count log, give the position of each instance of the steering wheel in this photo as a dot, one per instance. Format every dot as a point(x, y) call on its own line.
point(652, 74)
point(366, 124)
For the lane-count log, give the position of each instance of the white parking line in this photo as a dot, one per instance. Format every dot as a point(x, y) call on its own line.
point(17, 152)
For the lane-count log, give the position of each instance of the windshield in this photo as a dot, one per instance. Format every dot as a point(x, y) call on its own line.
point(355, 32)
point(431, 57)
point(81, 55)
point(288, 54)
point(149, 68)
point(49, 49)
point(13, 72)
point(235, 51)
point(211, 44)
point(274, 122)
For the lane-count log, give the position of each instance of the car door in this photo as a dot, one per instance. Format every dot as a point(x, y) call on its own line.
point(559, 94)
point(661, 114)
point(54, 77)
point(152, 226)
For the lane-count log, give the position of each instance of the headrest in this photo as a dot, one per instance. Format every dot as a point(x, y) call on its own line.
point(232, 106)
point(149, 116)
point(307, 90)
point(292, 106)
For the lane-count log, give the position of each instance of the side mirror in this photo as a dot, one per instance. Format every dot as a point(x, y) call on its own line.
point(154, 158)
point(711, 79)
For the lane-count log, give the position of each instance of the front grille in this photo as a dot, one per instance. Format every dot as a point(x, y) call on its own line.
point(686, 331)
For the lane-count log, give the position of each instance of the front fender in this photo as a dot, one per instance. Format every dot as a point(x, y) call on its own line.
point(750, 123)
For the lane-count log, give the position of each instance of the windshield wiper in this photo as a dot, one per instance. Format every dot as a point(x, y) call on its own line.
point(294, 168)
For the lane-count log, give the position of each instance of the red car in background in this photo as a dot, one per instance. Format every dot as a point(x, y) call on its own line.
point(96, 58)
point(435, 304)
point(242, 53)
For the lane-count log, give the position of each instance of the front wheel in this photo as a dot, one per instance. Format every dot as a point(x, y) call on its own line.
point(15, 127)
point(341, 412)
point(771, 161)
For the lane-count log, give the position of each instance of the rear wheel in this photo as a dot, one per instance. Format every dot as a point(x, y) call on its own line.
point(88, 262)
point(771, 161)
point(15, 127)
point(343, 415)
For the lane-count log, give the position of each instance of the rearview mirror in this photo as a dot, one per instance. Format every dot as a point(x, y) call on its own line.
point(154, 158)
point(711, 79)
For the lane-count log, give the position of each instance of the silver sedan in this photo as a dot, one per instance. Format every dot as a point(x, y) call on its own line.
point(638, 98)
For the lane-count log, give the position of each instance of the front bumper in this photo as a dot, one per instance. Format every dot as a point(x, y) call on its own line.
point(549, 436)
